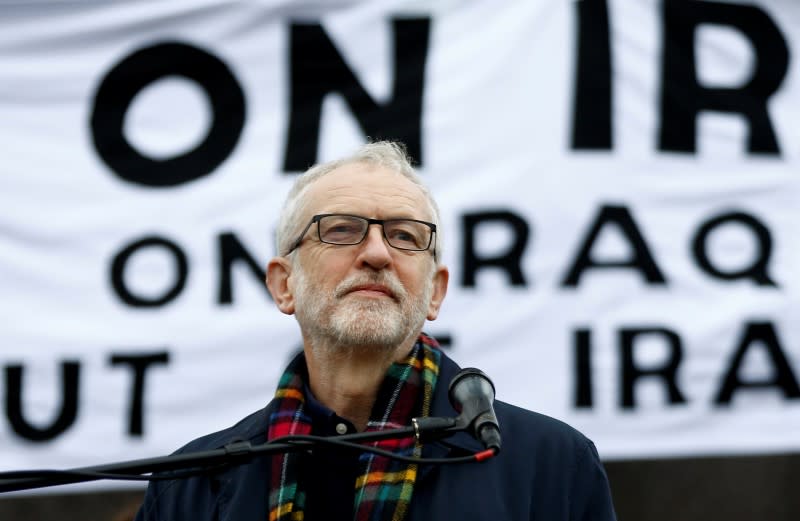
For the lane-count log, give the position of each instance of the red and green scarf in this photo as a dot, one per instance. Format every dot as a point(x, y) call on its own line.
point(384, 486)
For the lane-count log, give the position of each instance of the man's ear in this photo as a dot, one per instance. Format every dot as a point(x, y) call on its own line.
point(440, 278)
point(279, 270)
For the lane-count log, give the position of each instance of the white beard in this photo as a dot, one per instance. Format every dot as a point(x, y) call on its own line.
point(348, 320)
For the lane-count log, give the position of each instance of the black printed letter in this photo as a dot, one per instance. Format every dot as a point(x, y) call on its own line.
point(318, 69)
point(641, 258)
point(510, 261)
point(683, 98)
point(591, 119)
point(142, 68)
point(761, 333)
point(139, 364)
point(667, 372)
point(118, 272)
point(231, 250)
point(70, 376)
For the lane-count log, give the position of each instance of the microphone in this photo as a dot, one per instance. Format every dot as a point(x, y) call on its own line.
point(472, 395)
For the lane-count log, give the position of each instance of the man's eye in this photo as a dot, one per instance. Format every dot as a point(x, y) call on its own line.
point(404, 236)
point(342, 228)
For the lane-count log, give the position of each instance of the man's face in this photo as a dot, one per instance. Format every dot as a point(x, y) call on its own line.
point(368, 294)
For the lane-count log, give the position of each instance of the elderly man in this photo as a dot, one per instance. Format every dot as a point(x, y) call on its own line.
point(359, 267)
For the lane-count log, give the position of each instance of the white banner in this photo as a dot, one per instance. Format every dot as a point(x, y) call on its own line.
point(618, 181)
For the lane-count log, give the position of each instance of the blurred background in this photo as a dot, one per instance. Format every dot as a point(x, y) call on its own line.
point(619, 190)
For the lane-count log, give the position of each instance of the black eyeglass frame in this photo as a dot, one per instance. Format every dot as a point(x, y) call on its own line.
point(370, 222)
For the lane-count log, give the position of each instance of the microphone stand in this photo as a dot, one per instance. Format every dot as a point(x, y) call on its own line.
point(235, 453)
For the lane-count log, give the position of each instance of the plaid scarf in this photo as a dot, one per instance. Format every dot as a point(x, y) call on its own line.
point(384, 486)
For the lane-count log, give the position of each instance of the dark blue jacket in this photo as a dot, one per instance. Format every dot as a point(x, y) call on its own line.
point(545, 471)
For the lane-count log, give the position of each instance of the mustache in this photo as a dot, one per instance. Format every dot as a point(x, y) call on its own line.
point(384, 279)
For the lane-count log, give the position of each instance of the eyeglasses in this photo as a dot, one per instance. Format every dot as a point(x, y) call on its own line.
point(345, 230)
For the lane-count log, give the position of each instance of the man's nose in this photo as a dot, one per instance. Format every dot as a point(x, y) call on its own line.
point(375, 251)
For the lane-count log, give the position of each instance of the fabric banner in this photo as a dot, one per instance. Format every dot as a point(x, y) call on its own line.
point(618, 183)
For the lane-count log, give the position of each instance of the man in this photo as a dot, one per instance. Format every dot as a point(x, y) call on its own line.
point(359, 267)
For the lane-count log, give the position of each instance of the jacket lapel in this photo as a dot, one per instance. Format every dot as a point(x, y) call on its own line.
point(243, 491)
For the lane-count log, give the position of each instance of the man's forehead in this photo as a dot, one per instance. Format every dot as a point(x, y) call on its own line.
point(365, 183)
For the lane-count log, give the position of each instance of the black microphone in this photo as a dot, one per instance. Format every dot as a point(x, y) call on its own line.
point(472, 395)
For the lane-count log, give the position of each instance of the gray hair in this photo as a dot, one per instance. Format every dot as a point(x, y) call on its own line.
point(389, 154)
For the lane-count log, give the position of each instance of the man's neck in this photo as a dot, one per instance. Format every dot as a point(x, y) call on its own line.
point(346, 379)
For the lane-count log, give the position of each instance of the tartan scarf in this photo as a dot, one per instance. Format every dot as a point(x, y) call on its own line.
point(384, 486)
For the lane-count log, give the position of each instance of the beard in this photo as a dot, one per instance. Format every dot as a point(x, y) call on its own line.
point(345, 320)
